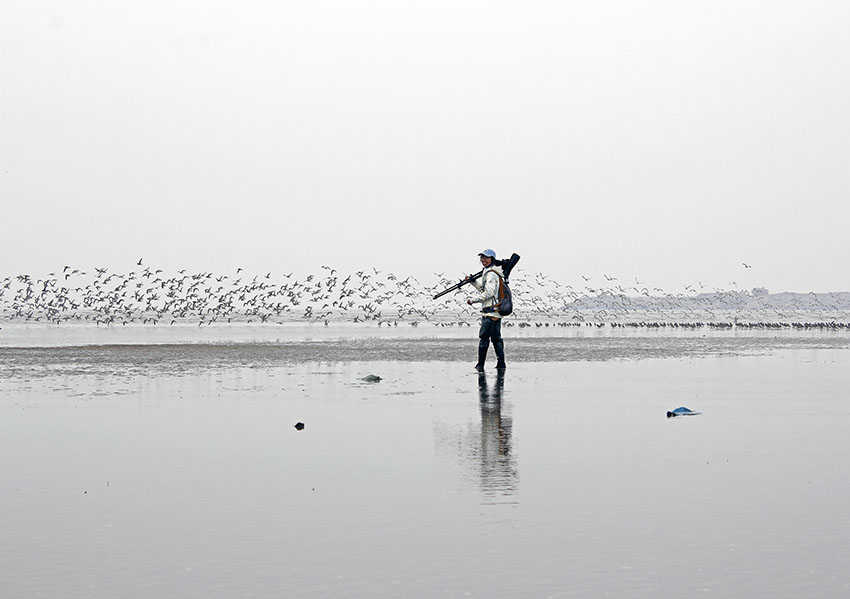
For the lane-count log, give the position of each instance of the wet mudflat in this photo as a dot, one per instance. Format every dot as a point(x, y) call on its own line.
point(176, 476)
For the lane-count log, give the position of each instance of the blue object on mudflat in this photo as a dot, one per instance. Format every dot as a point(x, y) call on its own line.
point(683, 411)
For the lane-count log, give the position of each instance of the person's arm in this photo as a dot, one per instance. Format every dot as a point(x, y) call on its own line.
point(487, 290)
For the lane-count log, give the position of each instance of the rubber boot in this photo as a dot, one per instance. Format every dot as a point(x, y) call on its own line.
point(482, 357)
point(499, 346)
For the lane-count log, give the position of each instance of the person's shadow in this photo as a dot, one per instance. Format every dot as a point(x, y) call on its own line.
point(498, 468)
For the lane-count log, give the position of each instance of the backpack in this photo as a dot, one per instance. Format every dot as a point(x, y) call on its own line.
point(505, 304)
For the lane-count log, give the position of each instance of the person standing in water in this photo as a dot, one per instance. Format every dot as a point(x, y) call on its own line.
point(491, 321)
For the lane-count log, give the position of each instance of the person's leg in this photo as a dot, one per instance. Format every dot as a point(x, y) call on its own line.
point(483, 342)
point(498, 343)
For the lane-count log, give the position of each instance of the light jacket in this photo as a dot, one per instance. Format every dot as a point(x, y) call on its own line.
point(488, 290)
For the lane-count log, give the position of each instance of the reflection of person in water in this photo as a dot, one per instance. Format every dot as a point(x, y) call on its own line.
point(498, 471)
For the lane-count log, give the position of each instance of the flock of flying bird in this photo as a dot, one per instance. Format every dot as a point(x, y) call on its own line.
point(148, 296)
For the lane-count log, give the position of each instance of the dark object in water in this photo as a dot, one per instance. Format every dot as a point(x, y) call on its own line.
point(683, 411)
point(299, 426)
point(371, 378)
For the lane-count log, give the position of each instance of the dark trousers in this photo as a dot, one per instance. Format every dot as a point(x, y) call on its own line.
point(491, 330)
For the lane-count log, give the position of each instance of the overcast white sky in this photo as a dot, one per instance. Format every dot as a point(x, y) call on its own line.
point(670, 141)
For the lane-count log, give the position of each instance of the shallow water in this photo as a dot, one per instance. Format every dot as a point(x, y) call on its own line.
point(174, 470)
